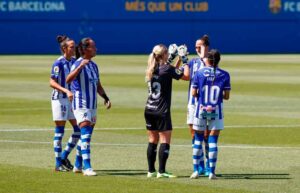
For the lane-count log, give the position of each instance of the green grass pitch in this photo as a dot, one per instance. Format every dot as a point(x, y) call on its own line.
point(259, 148)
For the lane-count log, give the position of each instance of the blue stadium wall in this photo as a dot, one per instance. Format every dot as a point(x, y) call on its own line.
point(135, 26)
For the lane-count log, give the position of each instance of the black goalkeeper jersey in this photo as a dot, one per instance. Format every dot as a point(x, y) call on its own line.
point(160, 89)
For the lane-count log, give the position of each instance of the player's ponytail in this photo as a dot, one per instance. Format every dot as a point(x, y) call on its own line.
point(77, 53)
point(214, 58)
point(154, 59)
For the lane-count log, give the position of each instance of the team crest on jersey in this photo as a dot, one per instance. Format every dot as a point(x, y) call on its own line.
point(206, 73)
point(56, 69)
point(178, 71)
point(275, 6)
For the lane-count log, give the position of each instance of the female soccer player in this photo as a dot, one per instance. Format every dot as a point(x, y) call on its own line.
point(195, 64)
point(61, 105)
point(210, 85)
point(85, 86)
point(159, 75)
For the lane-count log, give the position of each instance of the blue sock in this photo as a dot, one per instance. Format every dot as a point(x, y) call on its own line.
point(71, 142)
point(57, 140)
point(213, 152)
point(197, 151)
point(86, 134)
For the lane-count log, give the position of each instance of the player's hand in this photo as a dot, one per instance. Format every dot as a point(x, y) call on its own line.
point(182, 50)
point(183, 53)
point(172, 50)
point(70, 95)
point(107, 104)
point(84, 62)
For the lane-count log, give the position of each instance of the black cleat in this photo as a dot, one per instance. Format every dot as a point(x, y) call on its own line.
point(67, 164)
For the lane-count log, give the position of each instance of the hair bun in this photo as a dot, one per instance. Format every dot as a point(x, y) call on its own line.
point(61, 38)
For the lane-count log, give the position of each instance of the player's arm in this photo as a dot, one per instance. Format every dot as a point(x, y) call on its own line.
point(194, 92)
point(226, 94)
point(227, 88)
point(178, 62)
point(102, 93)
point(74, 73)
point(186, 72)
point(195, 85)
point(55, 85)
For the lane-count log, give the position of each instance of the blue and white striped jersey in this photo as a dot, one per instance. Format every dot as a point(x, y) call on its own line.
point(84, 86)
point(60, 70)
point(210, 87)
point(195, 65)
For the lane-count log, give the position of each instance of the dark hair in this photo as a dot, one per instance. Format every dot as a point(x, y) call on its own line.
point(214, 58)
point(205, 40)
point(83, 44)
point(62, 40)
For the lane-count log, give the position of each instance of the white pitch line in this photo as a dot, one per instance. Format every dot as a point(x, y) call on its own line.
point(144, 145)
point(141, 128)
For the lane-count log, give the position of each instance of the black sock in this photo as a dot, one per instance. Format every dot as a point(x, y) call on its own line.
point(163, 156)
point(151, 155)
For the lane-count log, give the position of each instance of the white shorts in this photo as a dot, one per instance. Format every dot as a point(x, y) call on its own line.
point(62, 110)
point(202, 124)
point(190, 114)
point(86, 115)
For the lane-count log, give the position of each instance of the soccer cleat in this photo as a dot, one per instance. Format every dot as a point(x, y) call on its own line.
point(165, 175)
point(201, 171)
point(206, 173)
point(67, 164)
point(151, 174)
point(77, 170)
point(89, 172)
point(195, 175)
point(212, 176)
point(60, 169)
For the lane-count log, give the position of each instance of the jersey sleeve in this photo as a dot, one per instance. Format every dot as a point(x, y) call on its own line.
point(227, 85)
point(56, 68)
point(195, 81)
point(175, 73)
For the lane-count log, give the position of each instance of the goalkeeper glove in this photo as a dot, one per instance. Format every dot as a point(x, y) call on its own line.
point(183, 53)
point(172, 50)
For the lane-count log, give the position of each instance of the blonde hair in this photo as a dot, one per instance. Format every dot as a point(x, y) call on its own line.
point(154, 59)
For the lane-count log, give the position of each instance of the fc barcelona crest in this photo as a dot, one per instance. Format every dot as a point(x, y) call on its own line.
point(275, 6)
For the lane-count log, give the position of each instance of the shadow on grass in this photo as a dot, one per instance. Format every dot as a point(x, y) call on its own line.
point(123, 172)
point(255, 176)
point(267, 176)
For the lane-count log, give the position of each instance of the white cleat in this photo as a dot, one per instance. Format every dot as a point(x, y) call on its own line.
point(77, 170)
point(151, 174)
point(212, 176)
point(194, 175)
point(89, 172)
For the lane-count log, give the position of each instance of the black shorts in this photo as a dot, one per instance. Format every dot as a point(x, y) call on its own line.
point(158, 122)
